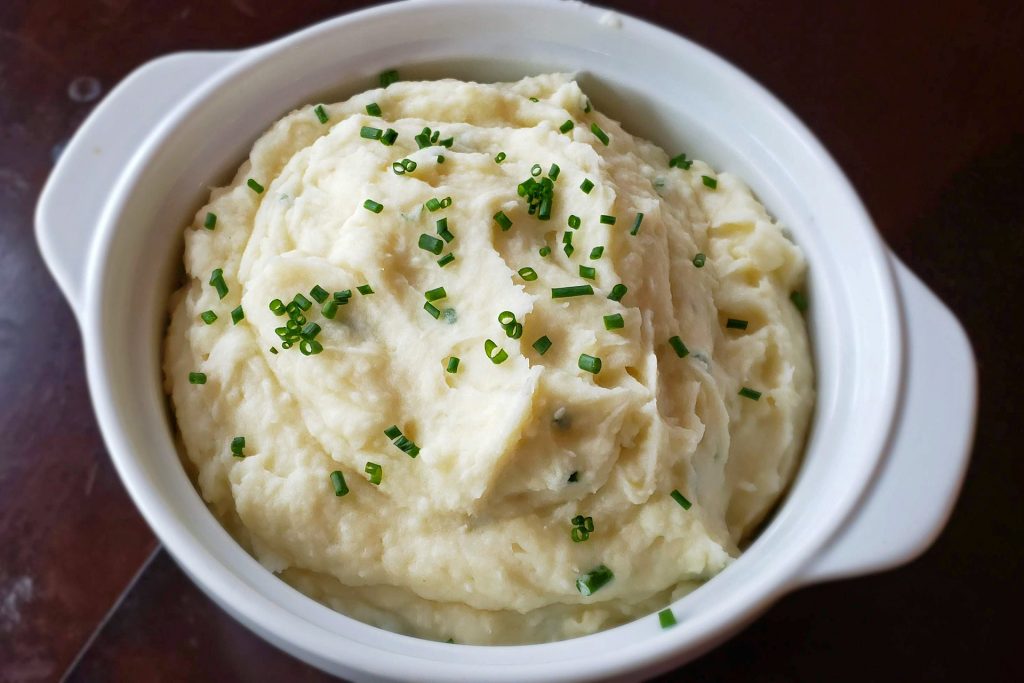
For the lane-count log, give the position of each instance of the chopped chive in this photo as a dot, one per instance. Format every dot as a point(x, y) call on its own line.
point(364, 289)
point(554, 171)
point(709, 181)
point(217, 280)
point(566, 237)
point(799, 300)
point(736, 324)
point(503, 221)
point(432, 310)
point(607, 220)
point(370, 133)
point(453, 365)
point(373, 206)
point(431, 244)
point(618, 291)
point(442, 230)
point(591, 364)
point(302, 302)
point(446, 259)
point(211, 221)
point(586, 106)
point(406, 446)
point(514, 331)
point(446, 202)
point(528, 274)
point(680, 162)
point(636, 224)
point(666, 618)
point(432, 204)
point(237, 315)
point(497, 358)
point(747, 392)
point(375, 471)
point(277, 307)
point(330, 309)
point(338, 481)
point(575, 290)
point(566, 127)
point(574, 222)
point(595, 579)
point(389, 137)
point(574, 477)
point(321, 113)
point(404, 166)
point(310, 347)
point(254, 186)
point(568, 249)
point(679, 347)
point(197, 378)
point(534, 99)
point(614, 322)
point(506, 318)
point(544, 251)
point(699, 260)
point(587, 185)
point(499, 157)
point(343, 296)
point(319, 294)
point(440, 158)
point(681, 499)
point(536, 170)
point(373, 109)
point(435, 294)
point(273, 350)
point(579, 534)
point(393, 432)
point(310, 331)
point(596, 253)
point(600, 134)
point(542, 345)
point(209, 317)
point(588, 272)
point(238, 446)
point(388, 77)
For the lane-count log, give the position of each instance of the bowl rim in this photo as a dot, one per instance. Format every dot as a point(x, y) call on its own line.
point(303, 636)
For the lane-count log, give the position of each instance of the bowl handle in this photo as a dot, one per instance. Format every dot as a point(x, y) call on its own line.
point(918, 482)
point(72, 201)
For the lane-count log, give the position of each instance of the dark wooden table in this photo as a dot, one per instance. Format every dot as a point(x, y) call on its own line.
point(922, 105)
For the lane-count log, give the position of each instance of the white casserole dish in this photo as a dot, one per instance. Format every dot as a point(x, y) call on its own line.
point(896, 378)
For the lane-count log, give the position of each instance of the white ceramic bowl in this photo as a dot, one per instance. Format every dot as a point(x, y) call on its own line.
point(896, 378)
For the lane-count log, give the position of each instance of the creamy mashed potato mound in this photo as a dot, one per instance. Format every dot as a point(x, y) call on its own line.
point(470, 540)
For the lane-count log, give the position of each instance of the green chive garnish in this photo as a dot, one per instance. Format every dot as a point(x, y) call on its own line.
point(536, 170)
point(575, 290)
point(574, 477)
point(591, 364)
point(542, 345)
point(388, 77)
point(254, 186)
point(607, 220)
point(586, 106)
point(680, 162)
point(566, 127)
point(404, 166)
point(197, 378)
point(310, 347)
point(588, 272)
point(343, 296)
point(373, 109)
point(568, 249)
point(330, 309)
point(566, 237)
point(432, 310)
point(499, 157)
point(209, 317)
point(503, 221)
point(528, 274)
point(237, 315)
point(506, 318)
point(496, 357)
point(574, 222)
point(592, 581)
point(302, 302)
point(217, 280)
point(442, 230)
point(799, 300)
point(554, 171)
point(277, 307)
point(321, 113)
point(310, 331)
point(596, 253)
point(373, 206)
point(614, 322)
point(699, 260)
point(431, 244)
point(211, 221)
point(238, 446)
point(544, 251)
point(666, 618)
point(453, 365)
point(586, 186)
point(600, 134)
point(432, 204)
point(618, 291)
point(736, 324)
point(364, 289)
point(393, 432)
point(747, 392)
point(319, 294)
point(681, 499)
point(636, 224)
point(273, 350)
point(446, 259)
point(338, 481)
point(680, 348)
point(375, 471)
point(370, 133)
point(389, 137)
point(435, 294)
point(440, 158)
point(534, 99)
point(709, 181)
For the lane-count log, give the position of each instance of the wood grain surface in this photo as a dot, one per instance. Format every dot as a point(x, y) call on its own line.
point(921, 103)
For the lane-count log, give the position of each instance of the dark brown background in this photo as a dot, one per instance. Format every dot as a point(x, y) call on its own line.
point(923, 105)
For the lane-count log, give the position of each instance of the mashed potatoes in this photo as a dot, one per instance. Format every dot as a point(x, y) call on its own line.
point(472, 538)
